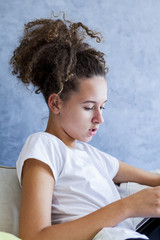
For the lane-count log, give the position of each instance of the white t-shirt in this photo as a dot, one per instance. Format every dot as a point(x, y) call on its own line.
point(83, 176)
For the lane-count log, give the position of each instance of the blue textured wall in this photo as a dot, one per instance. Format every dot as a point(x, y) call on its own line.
point(131, 30)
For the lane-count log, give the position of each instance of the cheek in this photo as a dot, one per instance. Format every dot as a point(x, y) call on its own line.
point(79, 120)
point(76, 117)
point(84, 119)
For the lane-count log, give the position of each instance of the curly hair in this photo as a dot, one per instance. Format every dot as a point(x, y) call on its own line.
point(53, 56)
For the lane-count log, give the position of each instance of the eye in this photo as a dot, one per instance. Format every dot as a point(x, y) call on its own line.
point(102, 108)
point(87, 108)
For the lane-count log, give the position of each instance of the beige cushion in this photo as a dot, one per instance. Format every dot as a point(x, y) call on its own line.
point(10, 196)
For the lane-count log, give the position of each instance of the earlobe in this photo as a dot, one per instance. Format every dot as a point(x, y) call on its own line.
point(54, 103)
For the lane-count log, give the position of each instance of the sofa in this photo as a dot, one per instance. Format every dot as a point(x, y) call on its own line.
point(9, 200)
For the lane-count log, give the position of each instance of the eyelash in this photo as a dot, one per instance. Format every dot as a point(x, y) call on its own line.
point(101, 108)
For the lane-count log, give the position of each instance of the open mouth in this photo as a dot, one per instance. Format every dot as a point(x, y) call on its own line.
point(92, 131)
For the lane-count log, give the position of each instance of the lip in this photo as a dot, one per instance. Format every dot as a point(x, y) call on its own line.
point(93, 131)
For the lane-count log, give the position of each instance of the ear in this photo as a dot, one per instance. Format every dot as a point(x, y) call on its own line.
point(54, 103)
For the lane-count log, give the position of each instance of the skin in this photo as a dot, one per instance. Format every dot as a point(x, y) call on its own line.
point(71, 121)
point(82, 112)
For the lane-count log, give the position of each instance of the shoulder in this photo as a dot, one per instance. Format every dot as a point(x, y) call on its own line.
point(43, 136)
point(44, 147)
point(44, 140)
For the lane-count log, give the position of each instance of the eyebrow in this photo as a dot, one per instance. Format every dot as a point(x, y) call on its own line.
point(90, 101)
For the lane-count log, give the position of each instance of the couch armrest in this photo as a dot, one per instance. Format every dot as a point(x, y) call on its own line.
point(10, 196)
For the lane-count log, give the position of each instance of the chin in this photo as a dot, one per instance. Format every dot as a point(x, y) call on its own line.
point(88, 139)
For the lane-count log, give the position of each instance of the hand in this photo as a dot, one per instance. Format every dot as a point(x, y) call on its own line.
point(145, 203)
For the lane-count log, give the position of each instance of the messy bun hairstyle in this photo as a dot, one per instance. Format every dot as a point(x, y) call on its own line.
point(53, 56)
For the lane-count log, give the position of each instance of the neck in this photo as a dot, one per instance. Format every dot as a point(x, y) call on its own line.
point(54, 128)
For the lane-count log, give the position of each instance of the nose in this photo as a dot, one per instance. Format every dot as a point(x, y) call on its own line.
point(98, 118)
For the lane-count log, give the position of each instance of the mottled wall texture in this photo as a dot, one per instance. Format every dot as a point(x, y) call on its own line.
point(131, 30)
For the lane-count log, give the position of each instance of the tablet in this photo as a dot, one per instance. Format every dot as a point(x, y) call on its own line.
point(150, 227)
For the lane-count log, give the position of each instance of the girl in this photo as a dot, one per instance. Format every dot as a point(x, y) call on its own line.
point(68, 187)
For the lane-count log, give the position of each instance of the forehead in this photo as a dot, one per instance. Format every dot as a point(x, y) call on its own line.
point(94, 88)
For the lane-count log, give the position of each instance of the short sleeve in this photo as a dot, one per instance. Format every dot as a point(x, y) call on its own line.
point(43, 148)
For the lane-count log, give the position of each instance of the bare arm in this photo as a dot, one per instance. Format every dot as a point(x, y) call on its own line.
point(129, 173)
point(35, 214)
